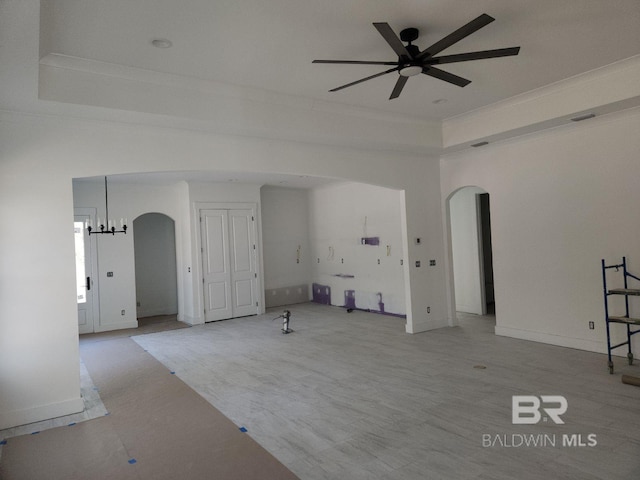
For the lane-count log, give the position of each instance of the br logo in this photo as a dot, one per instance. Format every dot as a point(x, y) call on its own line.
point(526, 409)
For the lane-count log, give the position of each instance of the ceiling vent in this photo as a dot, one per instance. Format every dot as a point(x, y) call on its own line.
point(586, 116)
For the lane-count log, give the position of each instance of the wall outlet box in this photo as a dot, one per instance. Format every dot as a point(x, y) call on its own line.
point(109, 274)
point(370, 241)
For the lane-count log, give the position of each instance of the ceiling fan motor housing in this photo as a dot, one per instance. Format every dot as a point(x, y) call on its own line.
point(409, 34)
point(410, 66)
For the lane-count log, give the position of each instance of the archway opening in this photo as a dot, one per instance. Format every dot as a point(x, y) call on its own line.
point(472, 252)
point(154, 240)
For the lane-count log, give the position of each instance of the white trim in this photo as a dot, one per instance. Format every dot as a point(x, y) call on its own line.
point(424, 326)
point(42, 412)
point(192, 320)
point(95, 276)
point(597, 346)
point(197, 264)
point(115, 326)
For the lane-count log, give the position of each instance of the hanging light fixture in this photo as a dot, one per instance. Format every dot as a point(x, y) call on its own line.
point(110, 226)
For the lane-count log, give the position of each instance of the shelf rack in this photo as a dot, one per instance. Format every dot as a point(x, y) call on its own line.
point(626, 292)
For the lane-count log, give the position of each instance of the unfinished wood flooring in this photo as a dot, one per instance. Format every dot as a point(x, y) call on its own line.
point(353, 396)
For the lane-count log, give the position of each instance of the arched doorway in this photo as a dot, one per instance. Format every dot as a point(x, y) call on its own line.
point(154, 238)
point(471, 249)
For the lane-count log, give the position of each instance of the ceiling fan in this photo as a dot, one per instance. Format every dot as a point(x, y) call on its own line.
point(411, 61)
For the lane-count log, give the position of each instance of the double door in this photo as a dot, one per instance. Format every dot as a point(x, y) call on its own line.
point(229, 263)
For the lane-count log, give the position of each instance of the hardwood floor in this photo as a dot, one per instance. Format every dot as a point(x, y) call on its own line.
point(350, 395)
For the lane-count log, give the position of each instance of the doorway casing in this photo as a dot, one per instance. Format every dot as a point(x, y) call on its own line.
point(470, 253)
point(256, 247)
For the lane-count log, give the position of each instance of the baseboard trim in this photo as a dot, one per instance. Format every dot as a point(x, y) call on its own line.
point(116, 326)
point(419, 327)
point(44, 412)
point(550, 339)
point(141, 313)
point(192, 320)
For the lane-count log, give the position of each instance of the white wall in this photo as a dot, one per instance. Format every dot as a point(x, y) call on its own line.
point(46, 144)
point(560, 202)
point(340, 216)
point(559, 199)
point(116, 253)
point(463, 209)
point(155, 265)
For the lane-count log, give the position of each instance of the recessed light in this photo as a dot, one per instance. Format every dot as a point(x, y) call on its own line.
point(480, 144)
point(161, 43)
point(440, 100)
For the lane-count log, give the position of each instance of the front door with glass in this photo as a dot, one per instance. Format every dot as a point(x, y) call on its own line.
point(84, 278)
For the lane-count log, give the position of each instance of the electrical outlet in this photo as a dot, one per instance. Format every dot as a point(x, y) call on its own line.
point(122, 312)
point(428, 310)
point(591, 326)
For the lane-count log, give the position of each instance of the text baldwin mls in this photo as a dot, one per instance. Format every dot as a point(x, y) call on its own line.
point(540, 440)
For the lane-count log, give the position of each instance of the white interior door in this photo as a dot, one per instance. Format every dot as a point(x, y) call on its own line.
point(215, 265)
point(228, 263)
point(243, 265)
point(84, 274)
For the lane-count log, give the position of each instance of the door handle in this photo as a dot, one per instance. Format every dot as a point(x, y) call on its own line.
point(88, 283)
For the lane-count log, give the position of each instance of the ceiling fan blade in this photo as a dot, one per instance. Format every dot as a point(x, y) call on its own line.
point(446, 76)
point(465, 57)
point(365, 79)
point(397, 90)
point(354, 62)
point(462, 32)
point(392, 39)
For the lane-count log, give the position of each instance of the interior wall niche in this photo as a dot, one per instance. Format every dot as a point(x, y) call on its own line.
point(154, 240)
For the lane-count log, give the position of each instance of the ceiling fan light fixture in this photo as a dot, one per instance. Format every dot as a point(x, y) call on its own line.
point(410, 70)
point(412, 61)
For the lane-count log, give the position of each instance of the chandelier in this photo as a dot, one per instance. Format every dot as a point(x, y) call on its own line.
point(110, 226)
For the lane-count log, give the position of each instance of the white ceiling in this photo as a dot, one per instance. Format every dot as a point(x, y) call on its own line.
point(270, 44)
